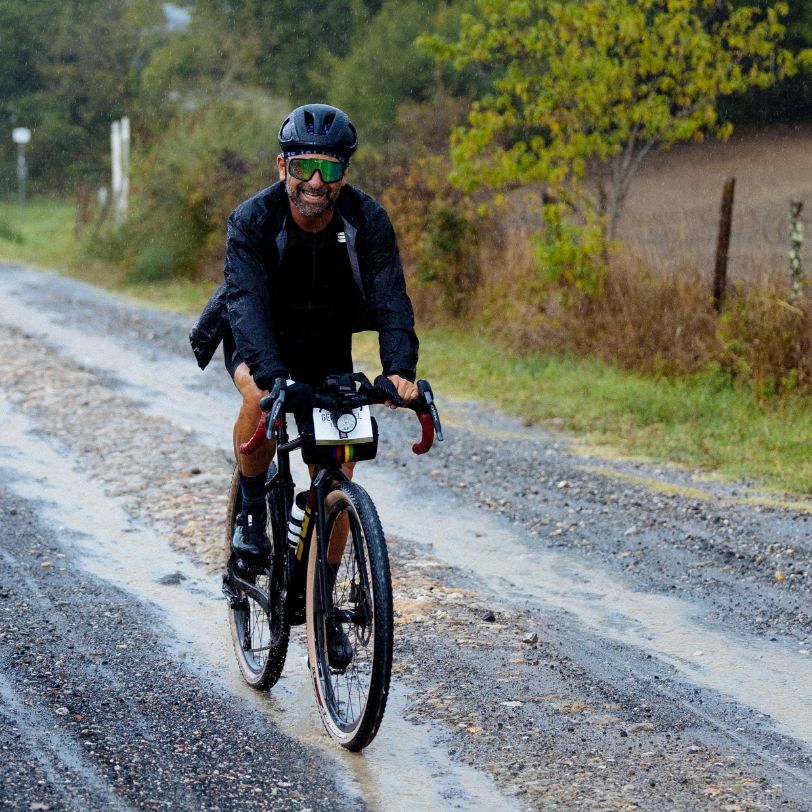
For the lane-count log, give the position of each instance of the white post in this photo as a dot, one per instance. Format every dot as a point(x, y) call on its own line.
point(21, 136)
point(125, 167)
point(21, 172)
point(115, 166)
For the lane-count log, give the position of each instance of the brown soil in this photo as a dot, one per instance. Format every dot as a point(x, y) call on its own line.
point(671, 219)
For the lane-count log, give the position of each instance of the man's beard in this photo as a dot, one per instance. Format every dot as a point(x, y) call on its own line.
point(311, 208)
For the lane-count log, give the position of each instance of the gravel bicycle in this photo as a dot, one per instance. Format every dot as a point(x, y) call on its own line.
point(328, 566)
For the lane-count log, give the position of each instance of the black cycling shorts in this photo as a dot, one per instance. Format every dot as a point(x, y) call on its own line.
point(306, 364)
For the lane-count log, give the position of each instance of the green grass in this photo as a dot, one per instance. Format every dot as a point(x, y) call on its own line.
point(699, 421)
point(42, 234)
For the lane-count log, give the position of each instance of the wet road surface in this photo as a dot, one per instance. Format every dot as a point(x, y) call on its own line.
point(573, 630)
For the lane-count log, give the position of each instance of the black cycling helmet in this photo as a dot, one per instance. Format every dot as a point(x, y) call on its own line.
point(318, 128)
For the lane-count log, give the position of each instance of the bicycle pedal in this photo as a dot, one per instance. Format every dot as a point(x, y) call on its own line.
point(247, 569)
point(231, 596)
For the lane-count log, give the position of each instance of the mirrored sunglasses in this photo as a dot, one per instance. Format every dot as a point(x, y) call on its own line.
point(305, 168)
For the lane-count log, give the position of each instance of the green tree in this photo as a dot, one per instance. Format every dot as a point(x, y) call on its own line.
point(385, 69)
point(24, 27)
point(297, 42)
point(207, 60)
point(207, 161)
point(791, 98)
point(70, 69)
point(583, 90)
point(91, 69)
point(24, 32)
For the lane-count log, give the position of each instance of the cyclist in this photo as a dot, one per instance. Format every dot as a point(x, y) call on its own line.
point(309, 261)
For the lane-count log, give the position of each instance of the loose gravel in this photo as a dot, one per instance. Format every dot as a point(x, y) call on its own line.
point(96, 715)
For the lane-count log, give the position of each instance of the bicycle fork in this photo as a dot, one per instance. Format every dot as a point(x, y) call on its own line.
point(320, 486)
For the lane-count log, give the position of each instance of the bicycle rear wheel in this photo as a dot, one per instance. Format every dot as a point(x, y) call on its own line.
point(260, 637)
point(352, 699)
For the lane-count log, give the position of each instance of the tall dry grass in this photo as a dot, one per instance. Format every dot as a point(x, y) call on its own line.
point(654, 319)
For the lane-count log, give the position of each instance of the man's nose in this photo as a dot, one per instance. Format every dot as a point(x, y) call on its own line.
point(316, 181)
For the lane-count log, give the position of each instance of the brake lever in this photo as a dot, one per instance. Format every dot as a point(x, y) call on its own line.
point(274, 413)
point(424, 387)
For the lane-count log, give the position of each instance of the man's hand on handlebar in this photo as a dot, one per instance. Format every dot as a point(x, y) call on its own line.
point(406, 389)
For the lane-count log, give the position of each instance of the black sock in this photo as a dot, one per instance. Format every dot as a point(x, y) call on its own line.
point(253, 491)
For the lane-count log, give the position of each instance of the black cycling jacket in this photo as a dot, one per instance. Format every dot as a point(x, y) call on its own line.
point(256, 243)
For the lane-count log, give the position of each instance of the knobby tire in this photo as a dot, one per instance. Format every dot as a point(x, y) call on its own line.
point(260, 642)
point(352, 700)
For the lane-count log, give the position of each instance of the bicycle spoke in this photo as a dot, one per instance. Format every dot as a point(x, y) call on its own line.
point(352, 698)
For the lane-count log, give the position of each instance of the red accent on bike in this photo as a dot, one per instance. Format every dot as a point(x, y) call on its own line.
point(428, 433)
point(259, 435)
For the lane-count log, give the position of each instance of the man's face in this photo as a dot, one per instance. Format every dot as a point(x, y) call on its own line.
point(311, 197)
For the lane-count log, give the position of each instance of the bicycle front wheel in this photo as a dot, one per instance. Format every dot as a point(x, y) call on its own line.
point(351, 688)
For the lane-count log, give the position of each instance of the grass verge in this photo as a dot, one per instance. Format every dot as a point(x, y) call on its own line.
point(42, 234)
point(700, 420)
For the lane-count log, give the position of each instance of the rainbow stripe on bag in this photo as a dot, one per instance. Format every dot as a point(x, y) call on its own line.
point(341, 453)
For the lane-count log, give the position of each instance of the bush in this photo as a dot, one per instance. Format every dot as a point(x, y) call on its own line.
point(572, 256)
point(438, 238)
point(210, 159)
point(765, 341)
point(9, 234)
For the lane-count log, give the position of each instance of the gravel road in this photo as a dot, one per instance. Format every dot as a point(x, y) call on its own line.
point(574, 630)
point(95, 715)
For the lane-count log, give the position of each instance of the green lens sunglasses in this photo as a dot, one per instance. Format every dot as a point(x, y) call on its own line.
point(305, 168)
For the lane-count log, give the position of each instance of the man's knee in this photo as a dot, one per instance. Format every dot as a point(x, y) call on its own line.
point(251, 393)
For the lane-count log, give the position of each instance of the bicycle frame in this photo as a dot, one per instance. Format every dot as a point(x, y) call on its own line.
point(324, 474)
point(323, 477)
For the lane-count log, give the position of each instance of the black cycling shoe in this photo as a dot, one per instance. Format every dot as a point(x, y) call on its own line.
point(339, 648)
point(250, 539)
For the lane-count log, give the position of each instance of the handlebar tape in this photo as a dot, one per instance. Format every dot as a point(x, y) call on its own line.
point(426, 442)
point(252, 445)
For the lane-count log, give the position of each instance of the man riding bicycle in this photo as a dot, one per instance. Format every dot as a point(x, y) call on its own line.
point(309, 261)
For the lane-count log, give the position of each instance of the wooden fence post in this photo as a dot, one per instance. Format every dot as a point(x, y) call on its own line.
point(796, 244)
point(722, 245)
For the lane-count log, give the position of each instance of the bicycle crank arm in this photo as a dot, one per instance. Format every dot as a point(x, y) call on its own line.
point(250, 589)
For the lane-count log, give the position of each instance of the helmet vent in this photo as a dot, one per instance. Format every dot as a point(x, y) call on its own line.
point(318, 128)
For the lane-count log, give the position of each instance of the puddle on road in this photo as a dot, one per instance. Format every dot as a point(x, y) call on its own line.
point(738, 666)
point(168, 387)
point(403, 769)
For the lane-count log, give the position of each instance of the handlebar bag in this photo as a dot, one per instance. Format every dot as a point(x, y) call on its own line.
point(330, 448)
